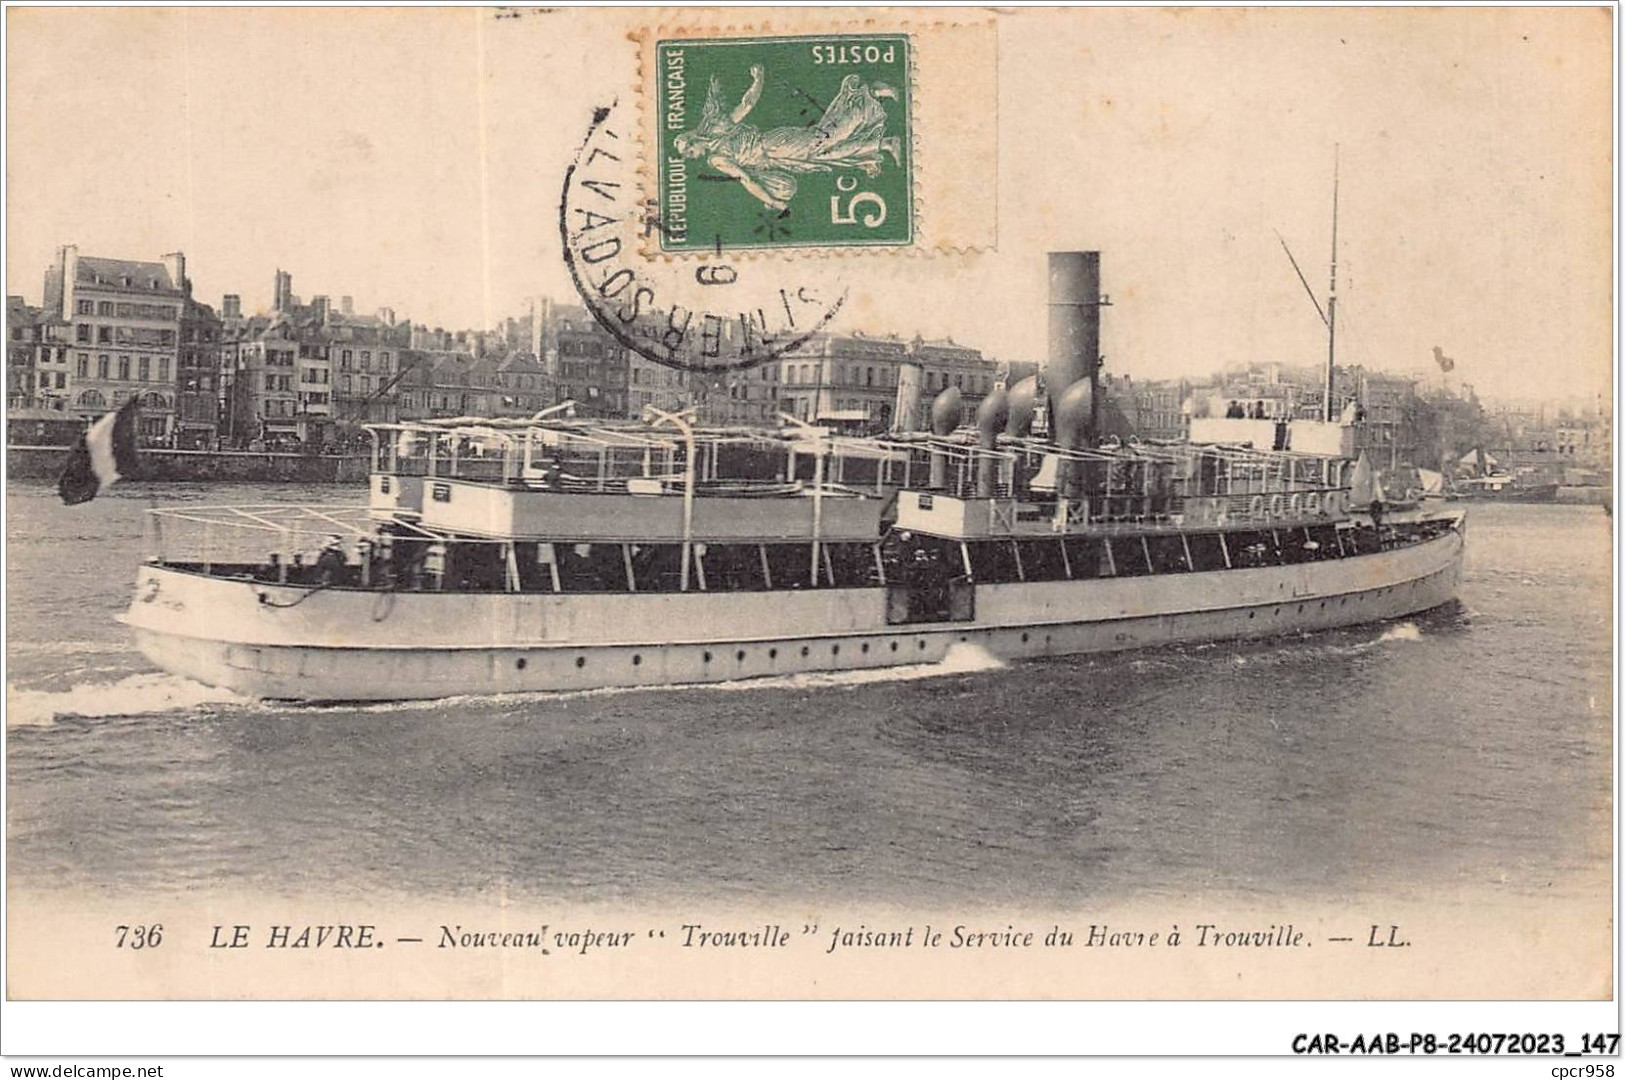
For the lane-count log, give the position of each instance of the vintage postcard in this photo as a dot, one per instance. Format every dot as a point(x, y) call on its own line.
point(754, 504)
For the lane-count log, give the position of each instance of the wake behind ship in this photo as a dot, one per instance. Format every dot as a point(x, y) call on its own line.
point(554, 554)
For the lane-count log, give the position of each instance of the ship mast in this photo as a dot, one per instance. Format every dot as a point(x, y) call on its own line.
point(1331, 305)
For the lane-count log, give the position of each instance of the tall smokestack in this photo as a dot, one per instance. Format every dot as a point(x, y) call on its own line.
point(1074, 328)
point(906, 406)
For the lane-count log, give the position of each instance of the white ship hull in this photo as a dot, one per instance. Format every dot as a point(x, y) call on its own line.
point(292, 642)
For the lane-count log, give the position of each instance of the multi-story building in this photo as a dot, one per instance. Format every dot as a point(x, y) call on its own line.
point(659, 386)
point(853, 378)
point(197, 397)
point(842, 376)
point(125, 317)
point(1155, 409)
point(588, 366)
point(1384, 404)
point(524, 386)
point(364, 357)
point(269, 369)
point(25, 331)
point(238, 389)
point(944, 364)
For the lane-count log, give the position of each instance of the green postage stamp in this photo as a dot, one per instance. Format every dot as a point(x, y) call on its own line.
point(780, 142)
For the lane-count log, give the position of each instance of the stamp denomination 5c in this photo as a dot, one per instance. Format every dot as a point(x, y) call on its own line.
point(776, 142)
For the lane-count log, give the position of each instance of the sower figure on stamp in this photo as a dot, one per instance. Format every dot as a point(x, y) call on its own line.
point(850, 135)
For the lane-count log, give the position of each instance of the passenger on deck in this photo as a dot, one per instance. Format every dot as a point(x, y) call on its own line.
point(331, 564)
point(273, 568)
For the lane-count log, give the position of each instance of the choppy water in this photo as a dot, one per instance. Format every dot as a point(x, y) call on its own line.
point(1470, 746)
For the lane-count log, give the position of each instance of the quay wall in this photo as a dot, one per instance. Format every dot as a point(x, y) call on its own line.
point(1592, 496)
point(46, 462)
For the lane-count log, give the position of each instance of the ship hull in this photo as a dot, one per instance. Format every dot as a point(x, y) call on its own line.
point(288, 642)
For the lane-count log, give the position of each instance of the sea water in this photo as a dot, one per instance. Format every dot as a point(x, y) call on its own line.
point(1466, 746)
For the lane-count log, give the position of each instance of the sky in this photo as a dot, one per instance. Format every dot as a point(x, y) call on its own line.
point(412, 158)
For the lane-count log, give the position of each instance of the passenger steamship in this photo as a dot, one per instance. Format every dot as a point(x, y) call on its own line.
point(556, 554)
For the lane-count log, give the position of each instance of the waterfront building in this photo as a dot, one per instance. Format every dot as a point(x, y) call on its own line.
point(524, 387)
point(125, 319)
point(852, 378)
point(414, 385)
point(364, 357)
point(847, 377)
point(1154, 408)
point(269, 369)
point(238, 389)
point(655, 385)
point(590, 367)
point(946, 363)
point(37, 368)
point(197, 398)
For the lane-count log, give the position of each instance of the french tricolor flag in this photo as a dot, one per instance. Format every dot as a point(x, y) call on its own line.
point(103, 454)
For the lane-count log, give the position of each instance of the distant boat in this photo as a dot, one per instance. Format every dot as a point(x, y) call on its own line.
point(1503, 487)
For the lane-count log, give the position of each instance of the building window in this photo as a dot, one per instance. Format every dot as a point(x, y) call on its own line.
point(84, 307)
point(144, 369)
point(102, 362)
point(104, 307)
point(83, 370)
point(61, 380)
point(126, 311)
point(163, 369)
point(81, 333)
point(124, 367)
point(104, 335)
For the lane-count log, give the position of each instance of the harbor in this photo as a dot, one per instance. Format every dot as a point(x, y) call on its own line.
point(992, 782)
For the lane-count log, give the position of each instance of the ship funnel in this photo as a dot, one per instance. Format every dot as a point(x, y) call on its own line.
point(906, 408)
point(990, 417)
point(1074, 329)
point(944, 418)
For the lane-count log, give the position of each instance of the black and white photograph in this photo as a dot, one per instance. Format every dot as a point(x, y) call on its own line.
point(820, 504)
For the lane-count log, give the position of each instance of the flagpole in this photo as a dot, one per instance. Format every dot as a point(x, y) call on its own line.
point(1331, 302)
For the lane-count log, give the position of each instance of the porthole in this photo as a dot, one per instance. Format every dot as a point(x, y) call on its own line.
point(865, 646)
point(637, 658)
point(1024, 637)
point(520, 663)
point(772, 654)
point(804, 650)
point(581, 661)
point(1250, 614)
point(740, 655)
point(894, 645)
point(922, 643)
point(707, 657)
point(835, 650)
